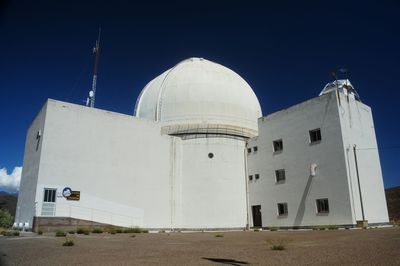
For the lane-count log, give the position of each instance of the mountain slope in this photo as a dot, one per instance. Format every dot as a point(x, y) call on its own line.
point(393, 202)
point(8, 201)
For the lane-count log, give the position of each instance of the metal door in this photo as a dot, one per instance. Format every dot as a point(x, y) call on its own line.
point(256, 210)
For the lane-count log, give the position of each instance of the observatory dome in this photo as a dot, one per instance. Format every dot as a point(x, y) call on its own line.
point(198, 96)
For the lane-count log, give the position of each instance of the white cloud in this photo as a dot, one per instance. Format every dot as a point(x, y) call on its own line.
point(10, 182)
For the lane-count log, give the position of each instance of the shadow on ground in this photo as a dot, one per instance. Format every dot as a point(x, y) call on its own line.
point(226, 261)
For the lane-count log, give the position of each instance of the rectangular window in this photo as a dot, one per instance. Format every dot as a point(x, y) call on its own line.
point(278, 145)
point(250, 177)
point(322, 206)
point(255, 148)
point(280, 175)
point(248, 150)
point(257, 176)
point(282, 209)
point(49, 195)
point(38, 135)
point(315, 135)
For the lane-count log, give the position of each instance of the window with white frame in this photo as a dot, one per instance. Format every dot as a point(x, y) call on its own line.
point(49, 202)
point(322, 205)
point(278, 145)
point(250, 177)
point(256, 176)
point(49, 195)
point(280, 176)
point(282, 209)
point(315, 135)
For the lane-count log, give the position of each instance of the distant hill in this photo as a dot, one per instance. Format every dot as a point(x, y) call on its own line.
point(393, 202)
point(8, 201)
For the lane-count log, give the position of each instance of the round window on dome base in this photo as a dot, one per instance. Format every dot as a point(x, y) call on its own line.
point(210, 155)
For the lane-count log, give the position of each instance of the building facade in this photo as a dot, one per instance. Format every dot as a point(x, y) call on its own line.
point(197, 154)
point(311, 161)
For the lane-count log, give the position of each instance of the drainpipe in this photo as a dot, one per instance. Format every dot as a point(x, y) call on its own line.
point(247, 188)
point(358, 180)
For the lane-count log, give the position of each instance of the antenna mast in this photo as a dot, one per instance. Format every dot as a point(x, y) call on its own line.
point(92, 94)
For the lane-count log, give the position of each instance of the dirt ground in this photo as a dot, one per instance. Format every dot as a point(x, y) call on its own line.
point(329, 247)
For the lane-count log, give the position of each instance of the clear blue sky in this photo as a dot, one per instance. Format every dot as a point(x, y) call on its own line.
point(285, 51)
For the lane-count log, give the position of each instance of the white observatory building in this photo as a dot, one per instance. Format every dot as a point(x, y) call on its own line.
point(196, 155)
point(317, 163)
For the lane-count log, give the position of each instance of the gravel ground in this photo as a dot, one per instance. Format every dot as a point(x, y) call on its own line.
point(335, 247)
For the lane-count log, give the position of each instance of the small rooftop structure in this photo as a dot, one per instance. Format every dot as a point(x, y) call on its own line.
point(343, 85)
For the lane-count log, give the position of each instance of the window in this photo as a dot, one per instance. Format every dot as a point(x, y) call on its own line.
point(255, 148)
point(280, 175)
point(49, 202)
point(248, 150)
point(282, 209)
point(257, 176)
point(322, 206)
point(278, 145)
point(315, 135)
point(38, 135)
point(49, 195)
point(250, 177)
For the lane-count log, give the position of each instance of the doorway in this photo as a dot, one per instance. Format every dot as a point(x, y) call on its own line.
point(256, 210)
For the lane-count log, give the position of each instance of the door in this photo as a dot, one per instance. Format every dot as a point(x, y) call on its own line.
point(256, 210)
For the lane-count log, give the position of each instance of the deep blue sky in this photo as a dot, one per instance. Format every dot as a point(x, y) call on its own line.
point(285, 51)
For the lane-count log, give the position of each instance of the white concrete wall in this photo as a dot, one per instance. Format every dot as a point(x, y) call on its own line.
point(300, 190)
point(26, 198)
point(119, 163)
point(129, 174)
point(212, 191)
point(358, 129)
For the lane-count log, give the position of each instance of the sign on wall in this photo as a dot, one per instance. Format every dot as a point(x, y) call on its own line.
point(69, 194)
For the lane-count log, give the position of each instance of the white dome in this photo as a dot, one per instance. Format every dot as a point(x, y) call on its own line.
point(200, 96)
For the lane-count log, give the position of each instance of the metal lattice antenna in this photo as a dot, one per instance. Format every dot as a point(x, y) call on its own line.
point(92, 94)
